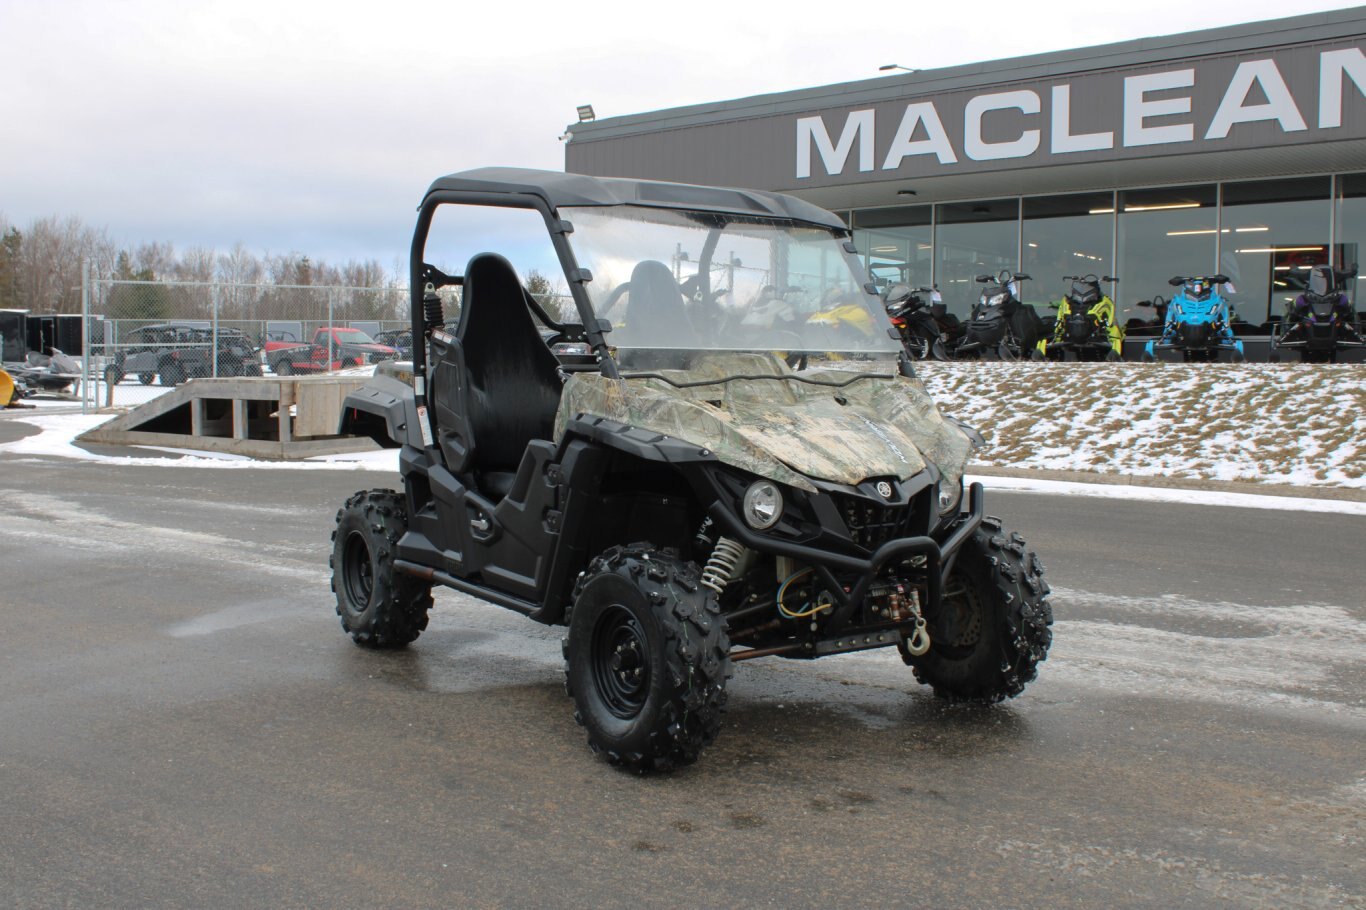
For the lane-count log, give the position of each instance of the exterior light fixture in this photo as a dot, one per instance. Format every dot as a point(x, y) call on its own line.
point(586, 113)
point(906, 192)
point(896, 66)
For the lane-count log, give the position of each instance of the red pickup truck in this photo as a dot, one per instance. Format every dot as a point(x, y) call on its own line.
point(348, 348)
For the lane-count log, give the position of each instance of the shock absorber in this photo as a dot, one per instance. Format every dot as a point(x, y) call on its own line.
point(432, 315)
point(720, 568)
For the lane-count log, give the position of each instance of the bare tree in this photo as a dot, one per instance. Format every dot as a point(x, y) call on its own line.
point(158, 259)
point(237, 270)
point(49, 260)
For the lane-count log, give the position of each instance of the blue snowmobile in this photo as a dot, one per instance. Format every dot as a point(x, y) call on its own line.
point(1198, 326)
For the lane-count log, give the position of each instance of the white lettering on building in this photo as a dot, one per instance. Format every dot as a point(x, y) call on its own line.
point(1140, 117)
point(1234, 108)
point(977, 148)
point(858, 127)
point(1063, 140)
point(936, 141)
point(1333, 65)
point(1137, 108)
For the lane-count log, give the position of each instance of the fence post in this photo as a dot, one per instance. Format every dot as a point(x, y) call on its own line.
point(329, 330)
point(213, 295)
point(87, 352)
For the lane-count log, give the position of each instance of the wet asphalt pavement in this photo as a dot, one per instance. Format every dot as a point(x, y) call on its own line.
point(183, 724)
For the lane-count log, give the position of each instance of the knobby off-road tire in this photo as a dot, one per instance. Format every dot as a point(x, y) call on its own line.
point(173, 375)
point(993, 628)
point(381, 608)
point(646, 659)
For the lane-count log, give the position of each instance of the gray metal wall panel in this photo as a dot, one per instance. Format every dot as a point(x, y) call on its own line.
point(761, 151)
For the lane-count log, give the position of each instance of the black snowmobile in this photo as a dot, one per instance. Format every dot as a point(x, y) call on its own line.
point(1000, 327)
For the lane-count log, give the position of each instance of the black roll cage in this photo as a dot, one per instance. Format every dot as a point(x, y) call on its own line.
point(594, 329)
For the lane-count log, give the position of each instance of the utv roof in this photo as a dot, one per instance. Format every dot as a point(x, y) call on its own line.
point(561, 189)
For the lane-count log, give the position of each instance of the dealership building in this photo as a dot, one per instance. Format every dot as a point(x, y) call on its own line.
point(1238, 150)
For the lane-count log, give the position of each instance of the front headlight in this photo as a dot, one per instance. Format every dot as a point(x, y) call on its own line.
point(950, 494)
point(763, 505)
point(996, 300)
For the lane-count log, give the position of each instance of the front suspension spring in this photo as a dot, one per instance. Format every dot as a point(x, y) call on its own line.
point(720, 568)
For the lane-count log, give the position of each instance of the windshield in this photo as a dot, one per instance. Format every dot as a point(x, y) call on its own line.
point(676, 283)
point(354, 336)
point(1321, 281)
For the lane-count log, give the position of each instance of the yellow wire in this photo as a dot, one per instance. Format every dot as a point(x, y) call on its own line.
point(782, 590)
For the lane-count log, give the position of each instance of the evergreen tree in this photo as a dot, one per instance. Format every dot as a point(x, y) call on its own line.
point(130, 301)
point(10, 296)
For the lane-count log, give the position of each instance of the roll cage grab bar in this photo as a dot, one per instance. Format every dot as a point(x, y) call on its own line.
point(557, 228)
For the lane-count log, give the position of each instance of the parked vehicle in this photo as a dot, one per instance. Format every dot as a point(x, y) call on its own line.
point(1319, 323)
point(1198, 326)
point(687, 501)
point(1000, 326)
point(1085, 327)
point(176, 352)
point(53, 372)
point(920, 333)
point(401, 340)
point(331, 348)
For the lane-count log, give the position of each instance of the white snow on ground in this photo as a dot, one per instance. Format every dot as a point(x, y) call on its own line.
point(59, 430)
point(1172, 494)
point(1296, 424)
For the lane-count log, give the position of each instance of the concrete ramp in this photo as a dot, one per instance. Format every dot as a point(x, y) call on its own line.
point(276, 418)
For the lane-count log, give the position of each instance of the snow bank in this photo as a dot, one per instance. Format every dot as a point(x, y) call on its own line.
point(1268, 423)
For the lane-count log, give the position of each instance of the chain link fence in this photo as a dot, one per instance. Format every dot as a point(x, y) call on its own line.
point(149, 336)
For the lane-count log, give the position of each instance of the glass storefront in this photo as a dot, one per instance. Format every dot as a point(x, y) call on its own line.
point(1066, 235)
point(1264, 235)
point(898, 244)
point(1163, 233)
point(1350, 235)
point(1272, 233)
point(971, 239)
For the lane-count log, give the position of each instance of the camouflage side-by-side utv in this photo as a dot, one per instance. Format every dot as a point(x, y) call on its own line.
point(688, 464)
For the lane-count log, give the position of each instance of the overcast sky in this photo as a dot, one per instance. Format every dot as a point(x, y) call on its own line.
point(315, 127)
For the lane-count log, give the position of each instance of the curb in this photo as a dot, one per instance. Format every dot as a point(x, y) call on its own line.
point(1346, 494)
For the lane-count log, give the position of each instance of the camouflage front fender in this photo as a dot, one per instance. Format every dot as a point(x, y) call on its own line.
point(841, 427)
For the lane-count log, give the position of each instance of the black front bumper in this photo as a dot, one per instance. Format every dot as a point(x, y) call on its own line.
point(939, 557)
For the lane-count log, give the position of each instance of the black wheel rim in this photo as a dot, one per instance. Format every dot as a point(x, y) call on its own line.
point(357, 573)
point(620, 662)
point(960, 619)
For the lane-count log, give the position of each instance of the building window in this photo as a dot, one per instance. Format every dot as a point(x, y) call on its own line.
point(897, 244)
point(1163, 233)
point(1351, 226)
point(1272, 232)
point(1067, 235)
point(974, 238)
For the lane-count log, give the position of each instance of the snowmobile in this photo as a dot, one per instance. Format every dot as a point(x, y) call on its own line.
point(1198, 326)
point(1085, 327)
point(1000, 327)
point(687, 501)
point(52, 373)
point(1319, 323)
point(920, 333)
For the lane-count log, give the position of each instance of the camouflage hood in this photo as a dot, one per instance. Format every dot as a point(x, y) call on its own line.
point(845, 430)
